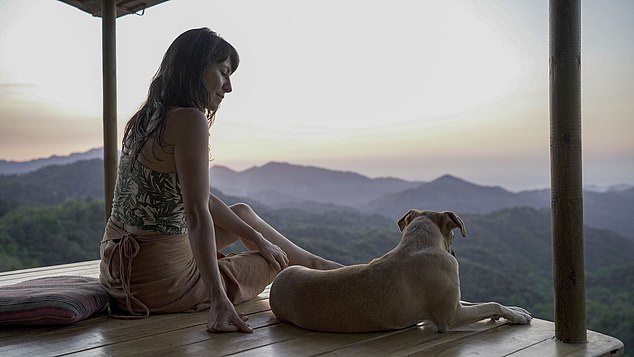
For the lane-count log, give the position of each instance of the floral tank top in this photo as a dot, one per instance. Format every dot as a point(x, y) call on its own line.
point(148, 199)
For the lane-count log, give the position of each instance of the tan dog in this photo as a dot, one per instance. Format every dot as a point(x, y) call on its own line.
point(414, 282)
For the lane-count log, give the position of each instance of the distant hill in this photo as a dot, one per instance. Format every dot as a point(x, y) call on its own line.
point(522, 240)
point(452, 193)
point(21, 167)
point(611, 210)
point(281, 183)
point(55, 184)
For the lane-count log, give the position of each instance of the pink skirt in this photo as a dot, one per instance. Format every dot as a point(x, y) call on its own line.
point(148, 272)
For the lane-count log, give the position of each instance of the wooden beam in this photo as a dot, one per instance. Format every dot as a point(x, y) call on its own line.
point(123, 7)
point(109, 35)
point(566, 173)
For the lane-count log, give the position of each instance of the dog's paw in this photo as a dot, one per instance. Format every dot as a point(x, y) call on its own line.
point(517, 315)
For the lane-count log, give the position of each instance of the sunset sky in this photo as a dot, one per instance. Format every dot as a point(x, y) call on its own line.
point(405, 88)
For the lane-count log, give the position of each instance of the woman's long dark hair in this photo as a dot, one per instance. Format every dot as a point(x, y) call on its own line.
point(178, 83)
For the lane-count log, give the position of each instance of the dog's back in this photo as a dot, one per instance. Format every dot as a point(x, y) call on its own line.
point(323, 301)
point(383, 295)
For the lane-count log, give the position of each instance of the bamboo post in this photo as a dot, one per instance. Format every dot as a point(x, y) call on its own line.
point(566, 173)
point(108, 21)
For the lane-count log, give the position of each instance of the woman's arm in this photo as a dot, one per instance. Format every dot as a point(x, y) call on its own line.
point(227, 219)
point(188, 130)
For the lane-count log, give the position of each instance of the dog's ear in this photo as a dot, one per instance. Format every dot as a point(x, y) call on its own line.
point(453, 221)
point(407, 218)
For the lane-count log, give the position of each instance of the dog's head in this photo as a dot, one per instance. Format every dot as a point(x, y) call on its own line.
point(446, 222)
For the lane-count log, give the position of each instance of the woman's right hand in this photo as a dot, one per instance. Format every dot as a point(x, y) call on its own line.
point(272, 253)
point(223, 317)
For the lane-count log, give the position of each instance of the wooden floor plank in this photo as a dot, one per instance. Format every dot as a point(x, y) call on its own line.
point(156, 343)
point(89, 263)
point(312, 343)
point(230, 344)
point(86, 273)
point(598, 345)
point(493, 342)
point(90, 269)
point(412, 340)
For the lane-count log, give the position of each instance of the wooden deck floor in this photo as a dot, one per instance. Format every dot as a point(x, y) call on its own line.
point(185, 335)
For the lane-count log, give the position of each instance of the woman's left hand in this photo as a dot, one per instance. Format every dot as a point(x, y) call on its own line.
point(273, 254)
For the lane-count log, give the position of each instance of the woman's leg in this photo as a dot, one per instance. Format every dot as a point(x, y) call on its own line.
point(225, 238)
point(296, 255)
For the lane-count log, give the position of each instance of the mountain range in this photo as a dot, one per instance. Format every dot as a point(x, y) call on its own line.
point(22, 167)
point(282, 185)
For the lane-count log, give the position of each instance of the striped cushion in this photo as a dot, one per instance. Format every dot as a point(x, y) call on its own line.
point(54, 300)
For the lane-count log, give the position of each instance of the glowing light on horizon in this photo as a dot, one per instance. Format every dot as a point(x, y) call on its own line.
point(372, 84)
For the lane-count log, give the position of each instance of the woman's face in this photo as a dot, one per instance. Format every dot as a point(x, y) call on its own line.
point(217, 83)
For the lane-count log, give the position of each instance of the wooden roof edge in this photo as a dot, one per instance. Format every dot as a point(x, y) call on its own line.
point(124, 7)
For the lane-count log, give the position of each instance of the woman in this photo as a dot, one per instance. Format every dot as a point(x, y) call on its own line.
point(160, 247)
